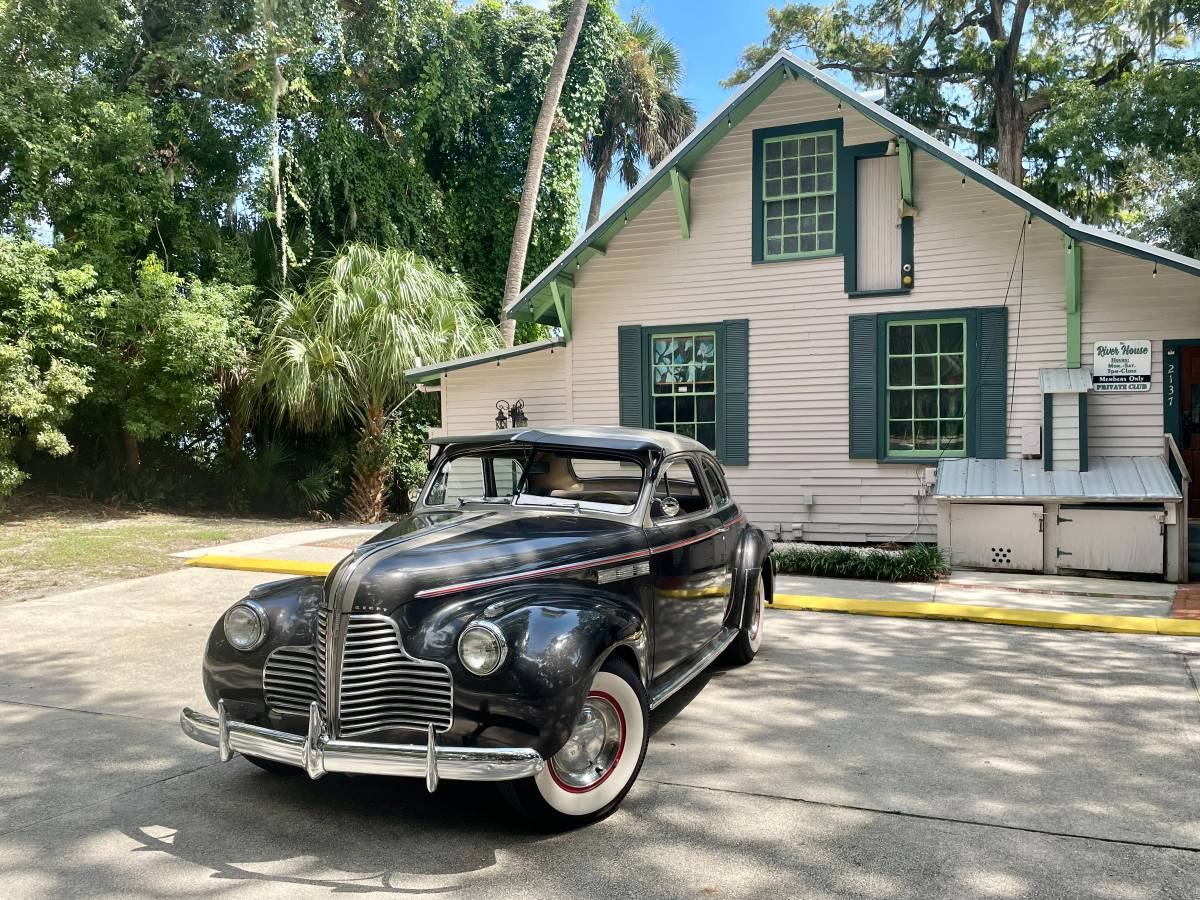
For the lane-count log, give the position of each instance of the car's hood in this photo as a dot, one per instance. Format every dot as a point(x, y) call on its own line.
point(461, 551)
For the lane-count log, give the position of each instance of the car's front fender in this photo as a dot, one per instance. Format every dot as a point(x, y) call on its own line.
point(558, 635)
point(750, 557)
point(236, 676)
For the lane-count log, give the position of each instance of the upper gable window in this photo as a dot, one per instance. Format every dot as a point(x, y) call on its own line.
point(799, 195)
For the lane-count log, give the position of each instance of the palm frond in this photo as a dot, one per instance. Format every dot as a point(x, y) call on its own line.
point(340, 349)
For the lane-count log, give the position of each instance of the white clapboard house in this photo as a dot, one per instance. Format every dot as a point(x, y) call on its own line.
point(882, 341)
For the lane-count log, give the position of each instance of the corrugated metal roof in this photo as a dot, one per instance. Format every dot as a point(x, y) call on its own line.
point(1111, 478)
point(428, 373)
point(1065, 381)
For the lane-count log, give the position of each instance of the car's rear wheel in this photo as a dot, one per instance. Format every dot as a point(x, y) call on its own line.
point(589, 777)
point(745, 646)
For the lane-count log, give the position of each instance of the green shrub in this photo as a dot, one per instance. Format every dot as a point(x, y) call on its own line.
point(916, 562)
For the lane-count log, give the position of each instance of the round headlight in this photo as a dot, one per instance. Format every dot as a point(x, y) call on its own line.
point(245, 626)
point(482, 648)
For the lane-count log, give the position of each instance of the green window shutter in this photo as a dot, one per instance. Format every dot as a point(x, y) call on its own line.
point(991, 383)
point(629, 380)
point(733, 364)
point(864, 419)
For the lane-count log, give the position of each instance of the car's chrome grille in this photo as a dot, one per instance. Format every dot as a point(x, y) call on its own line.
point(381, 686)
point(291, 679)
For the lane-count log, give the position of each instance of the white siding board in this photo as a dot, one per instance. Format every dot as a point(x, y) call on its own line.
point(540, 379)
point(966, 241)
point(1123, 299)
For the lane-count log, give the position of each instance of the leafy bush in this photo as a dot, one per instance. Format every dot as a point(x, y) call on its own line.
point(43, 311)
point(916, 562)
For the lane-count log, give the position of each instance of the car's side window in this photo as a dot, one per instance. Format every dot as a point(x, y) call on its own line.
point(682, 482)
point(716, 483)
point(458, 478)
point(506, 472)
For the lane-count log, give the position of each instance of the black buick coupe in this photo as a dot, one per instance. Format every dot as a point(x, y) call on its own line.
point(550, 588)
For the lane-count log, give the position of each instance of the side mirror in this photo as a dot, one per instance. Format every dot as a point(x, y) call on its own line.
point(664, 508)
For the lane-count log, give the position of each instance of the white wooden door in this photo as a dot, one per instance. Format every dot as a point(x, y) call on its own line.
point(879, 223)
point(996, 536)
point(1111, 540)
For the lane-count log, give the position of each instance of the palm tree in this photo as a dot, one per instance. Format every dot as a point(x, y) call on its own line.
point(338, 351)
point(533, 167)
point(643, 115)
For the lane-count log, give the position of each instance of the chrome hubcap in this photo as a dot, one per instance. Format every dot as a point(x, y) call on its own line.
point(593, 748)
point(759, 602)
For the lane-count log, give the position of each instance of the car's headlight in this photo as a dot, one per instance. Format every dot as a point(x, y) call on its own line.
point(482, 648)
point(245, 626)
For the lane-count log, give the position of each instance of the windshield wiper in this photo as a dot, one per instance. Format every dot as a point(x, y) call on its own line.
point(519, 489)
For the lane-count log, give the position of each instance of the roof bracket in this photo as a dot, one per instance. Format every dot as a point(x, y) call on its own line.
point(562, 305)
point(682, 188)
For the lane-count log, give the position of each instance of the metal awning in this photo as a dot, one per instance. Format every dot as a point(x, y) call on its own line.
point(1108, 479)
point(426, 374)
point(1065, 381)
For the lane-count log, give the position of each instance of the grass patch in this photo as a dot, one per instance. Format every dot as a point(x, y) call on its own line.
point(916, 562)
point(49, 545)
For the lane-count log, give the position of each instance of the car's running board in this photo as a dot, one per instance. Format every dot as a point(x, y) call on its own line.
point(674, 680)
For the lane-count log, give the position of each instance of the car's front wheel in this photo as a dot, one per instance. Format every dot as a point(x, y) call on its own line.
point(745, 646)
point(589, 777)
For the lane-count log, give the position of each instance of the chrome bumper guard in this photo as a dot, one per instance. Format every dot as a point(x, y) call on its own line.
point(317, 753)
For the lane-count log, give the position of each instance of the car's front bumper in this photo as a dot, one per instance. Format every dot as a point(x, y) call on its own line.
point(317, 753)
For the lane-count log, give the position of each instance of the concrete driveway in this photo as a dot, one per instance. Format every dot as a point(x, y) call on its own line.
point(855, 758)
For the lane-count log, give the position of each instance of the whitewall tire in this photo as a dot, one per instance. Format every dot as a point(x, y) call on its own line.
point(750, 636)
point(587, 779)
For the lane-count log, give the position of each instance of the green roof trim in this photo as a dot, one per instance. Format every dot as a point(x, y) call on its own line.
point(535, 304)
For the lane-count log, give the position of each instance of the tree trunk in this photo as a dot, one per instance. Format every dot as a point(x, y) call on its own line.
point(533, 169)
point(369, 483)
point(1012, 129)
point(601, 179)
point(133, 456)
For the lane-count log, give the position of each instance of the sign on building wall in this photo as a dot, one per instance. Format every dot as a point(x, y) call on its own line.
point(1121, 366)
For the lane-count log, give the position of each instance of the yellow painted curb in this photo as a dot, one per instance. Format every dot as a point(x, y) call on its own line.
point(959, 612)
point(250, 564)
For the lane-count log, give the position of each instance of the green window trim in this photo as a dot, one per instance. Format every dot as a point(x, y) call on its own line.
point(925, 366)
point(986, 382)
point(785, 202)
point(728, 385)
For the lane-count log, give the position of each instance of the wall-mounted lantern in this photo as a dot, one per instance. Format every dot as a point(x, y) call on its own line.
point(515, 410)
point(518, 414)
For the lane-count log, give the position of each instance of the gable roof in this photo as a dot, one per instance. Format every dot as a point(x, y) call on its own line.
point(533, 303)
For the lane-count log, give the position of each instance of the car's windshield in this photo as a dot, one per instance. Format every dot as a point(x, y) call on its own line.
point(537, 476)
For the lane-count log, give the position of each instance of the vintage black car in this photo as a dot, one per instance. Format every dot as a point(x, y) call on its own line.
point(550, 588)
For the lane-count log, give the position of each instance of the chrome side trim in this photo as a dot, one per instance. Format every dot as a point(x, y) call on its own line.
point(620, 573)
point(317, 753)
point(677, 679)
point(534, 573)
